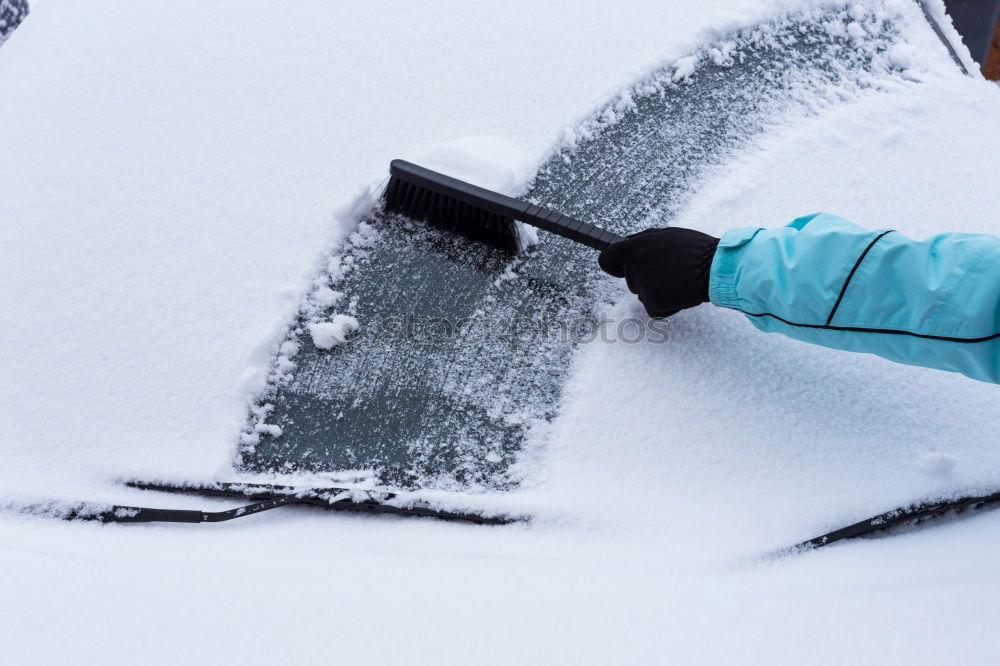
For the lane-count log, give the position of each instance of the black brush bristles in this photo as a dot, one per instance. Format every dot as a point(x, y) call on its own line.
point(479, 214)
point(440, 209)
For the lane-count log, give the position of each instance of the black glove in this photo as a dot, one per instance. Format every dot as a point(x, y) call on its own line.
point(666, 268)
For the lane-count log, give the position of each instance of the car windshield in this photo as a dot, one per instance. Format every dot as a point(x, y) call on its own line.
point(462, 353)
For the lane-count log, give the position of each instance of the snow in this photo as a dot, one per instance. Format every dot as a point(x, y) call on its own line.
point(326, 297)
point(492, 162)
point(329, 334)
point(173, 178)
point(901, 56)
point(685, 67)
point(268, 429)
point(938, 463)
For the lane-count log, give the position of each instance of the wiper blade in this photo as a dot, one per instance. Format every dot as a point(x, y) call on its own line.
point(266, 496)
point(911, 515)
point(333, 498)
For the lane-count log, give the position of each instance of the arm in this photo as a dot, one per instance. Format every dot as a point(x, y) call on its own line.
point(822, 279)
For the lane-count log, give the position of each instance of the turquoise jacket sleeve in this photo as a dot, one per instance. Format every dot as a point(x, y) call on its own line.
point(822, 279)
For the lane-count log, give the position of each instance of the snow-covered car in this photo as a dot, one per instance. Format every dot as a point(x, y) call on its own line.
point(203, 291)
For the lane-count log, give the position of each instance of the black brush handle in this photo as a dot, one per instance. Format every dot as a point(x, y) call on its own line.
point(537, 216)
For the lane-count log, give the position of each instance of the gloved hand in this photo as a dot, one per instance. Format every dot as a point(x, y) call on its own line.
point(666, 268)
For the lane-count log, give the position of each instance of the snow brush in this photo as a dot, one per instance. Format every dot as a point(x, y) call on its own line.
point(480, 214)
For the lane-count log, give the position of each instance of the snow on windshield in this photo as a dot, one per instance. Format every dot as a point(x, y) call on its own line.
point(458, 370)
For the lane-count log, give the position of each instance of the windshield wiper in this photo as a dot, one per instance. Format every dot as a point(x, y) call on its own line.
point(265, 497)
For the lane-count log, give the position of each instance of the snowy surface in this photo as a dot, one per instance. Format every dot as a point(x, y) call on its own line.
point(170, 173)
